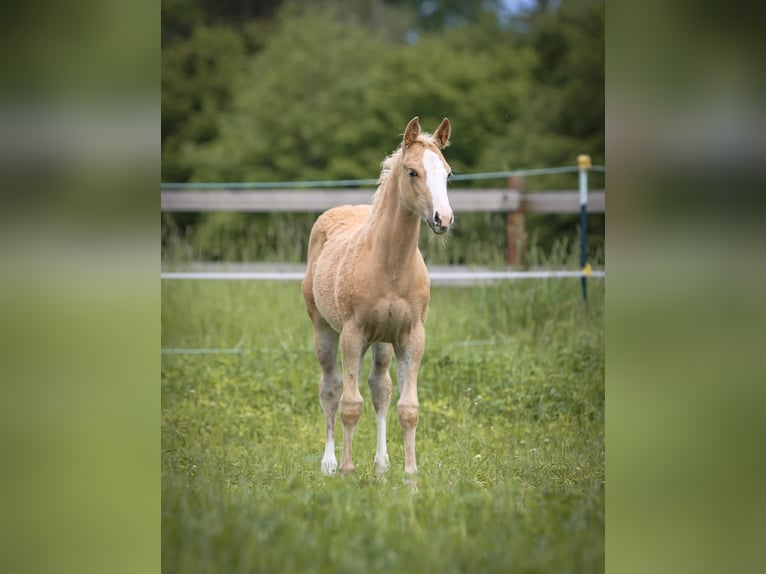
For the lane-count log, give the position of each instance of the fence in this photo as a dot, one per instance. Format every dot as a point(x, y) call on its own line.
point(317, 196)
point(438, 276)
point(313, 197)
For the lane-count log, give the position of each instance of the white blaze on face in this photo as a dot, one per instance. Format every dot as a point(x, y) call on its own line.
point(436, 179)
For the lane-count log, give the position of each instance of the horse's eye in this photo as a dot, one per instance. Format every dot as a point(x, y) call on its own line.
point(412, 172)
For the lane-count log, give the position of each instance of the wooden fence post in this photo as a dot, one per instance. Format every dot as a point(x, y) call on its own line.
point(515, 232)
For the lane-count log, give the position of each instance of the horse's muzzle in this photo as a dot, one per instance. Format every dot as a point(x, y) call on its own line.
point(440, 224)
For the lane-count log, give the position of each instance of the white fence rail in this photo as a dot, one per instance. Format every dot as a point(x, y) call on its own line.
point(440, 277)
point(317, 200)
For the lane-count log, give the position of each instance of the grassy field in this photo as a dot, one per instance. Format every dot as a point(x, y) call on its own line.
point(510, 441)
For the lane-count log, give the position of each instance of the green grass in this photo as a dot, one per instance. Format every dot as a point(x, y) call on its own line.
point(510, 441)
point(477, 239)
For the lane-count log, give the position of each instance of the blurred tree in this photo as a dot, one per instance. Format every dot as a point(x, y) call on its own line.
point(181, 17)
point(331, 98)
point(472, 74)
point(565, 112)
point(441, 14)
point(297, 111)
point(321, 90)
point(198, 75)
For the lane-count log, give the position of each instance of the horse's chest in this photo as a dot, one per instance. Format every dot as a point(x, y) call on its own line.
point(388, 318)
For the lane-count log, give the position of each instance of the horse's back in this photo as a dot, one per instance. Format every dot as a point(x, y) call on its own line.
point(335, 224)
point(341, 220)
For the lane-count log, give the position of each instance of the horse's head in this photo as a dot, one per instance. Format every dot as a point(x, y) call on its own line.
point(423, 181)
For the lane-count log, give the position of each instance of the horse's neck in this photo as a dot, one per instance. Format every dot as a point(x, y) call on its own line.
point(394, 229)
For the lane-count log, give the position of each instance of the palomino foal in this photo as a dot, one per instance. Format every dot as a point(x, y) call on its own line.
point(366, 285)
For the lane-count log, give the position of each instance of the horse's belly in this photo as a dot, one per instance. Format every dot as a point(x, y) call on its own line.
point(325, 286)
point(324, 296)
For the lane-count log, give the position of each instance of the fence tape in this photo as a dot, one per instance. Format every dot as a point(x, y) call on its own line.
point(366, 182)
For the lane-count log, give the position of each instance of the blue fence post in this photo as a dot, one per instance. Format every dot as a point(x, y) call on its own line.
point(584, 163)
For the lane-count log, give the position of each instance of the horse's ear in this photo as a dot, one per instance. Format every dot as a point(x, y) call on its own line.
point(411, 132)
point(441, 135)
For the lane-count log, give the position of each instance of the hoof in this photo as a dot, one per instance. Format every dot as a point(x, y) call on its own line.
point(382, 465)
point(329, 467)
point(411, 481)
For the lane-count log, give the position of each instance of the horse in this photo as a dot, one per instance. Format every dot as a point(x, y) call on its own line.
point(366, 285)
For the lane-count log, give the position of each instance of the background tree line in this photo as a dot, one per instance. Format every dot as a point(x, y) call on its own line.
point(298, 90)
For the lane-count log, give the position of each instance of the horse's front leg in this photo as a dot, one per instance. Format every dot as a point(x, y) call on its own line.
point(352, 348)
point(380, 390)
point(409, 353)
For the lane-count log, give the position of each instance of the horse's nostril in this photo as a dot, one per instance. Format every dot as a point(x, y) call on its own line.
point(437, 219)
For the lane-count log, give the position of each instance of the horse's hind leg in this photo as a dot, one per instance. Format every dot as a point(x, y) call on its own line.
point(380, 390)
point(326, 345)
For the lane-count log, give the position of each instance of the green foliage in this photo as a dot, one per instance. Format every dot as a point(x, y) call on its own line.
point(565, 114)
point(479, 239)
point(297, 114)
point(253, 237)
point(510, 440)
point(323, 90)
point(325, 99)
point(322, 95)
point(197, 77)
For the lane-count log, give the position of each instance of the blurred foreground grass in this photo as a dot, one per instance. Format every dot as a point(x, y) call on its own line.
point(510, 442)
